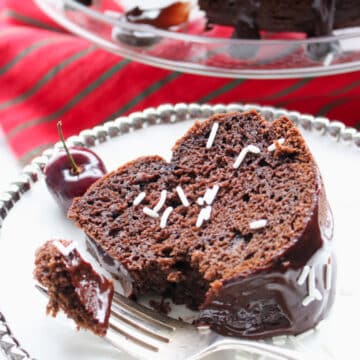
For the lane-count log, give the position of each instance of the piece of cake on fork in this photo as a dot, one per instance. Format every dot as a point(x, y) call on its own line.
point(74, 286)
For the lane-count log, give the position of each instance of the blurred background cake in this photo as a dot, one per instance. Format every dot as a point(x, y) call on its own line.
point(250, 17)
point(313, 17)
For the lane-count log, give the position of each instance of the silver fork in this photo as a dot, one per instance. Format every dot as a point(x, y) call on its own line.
point(146, 334)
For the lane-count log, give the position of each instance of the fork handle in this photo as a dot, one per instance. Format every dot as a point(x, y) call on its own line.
point(253, 347)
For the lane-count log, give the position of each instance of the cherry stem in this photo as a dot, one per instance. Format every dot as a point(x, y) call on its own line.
point(74, 167)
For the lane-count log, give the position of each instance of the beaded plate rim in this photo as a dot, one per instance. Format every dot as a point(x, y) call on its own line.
point(163, 114)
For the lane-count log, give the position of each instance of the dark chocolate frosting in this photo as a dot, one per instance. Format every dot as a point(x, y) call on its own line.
point(273, 301)
point(114, 267)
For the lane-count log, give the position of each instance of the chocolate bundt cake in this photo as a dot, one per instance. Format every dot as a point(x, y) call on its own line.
point(73, 286)
point(313, 17)
point(236, 225)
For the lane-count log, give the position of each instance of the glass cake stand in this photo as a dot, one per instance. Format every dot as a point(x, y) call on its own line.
point(194, 49)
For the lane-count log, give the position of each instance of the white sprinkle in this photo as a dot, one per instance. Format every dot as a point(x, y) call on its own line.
point(139, 198)
point(207, 213)
point(212, 135)
point(272, 147)
point(250, 148)
point(210, 194)
point(311, 282)
point(65, 250)
point(253, 149)
point(182, 196)
point(150, 212)
point(317, 294)
point(204, 215)
point(304, 274)
point(161, 202)
point(207, 195)
point(200, 201)
point(200, 218)
point(304, 334)
point(279, 340)
point(165, 216)
point(328, 276)
point(308, 300)
point(258, 224)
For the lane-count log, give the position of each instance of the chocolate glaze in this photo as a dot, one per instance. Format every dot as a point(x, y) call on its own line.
point(269, 302)
point(94, 291)
point(115, 268)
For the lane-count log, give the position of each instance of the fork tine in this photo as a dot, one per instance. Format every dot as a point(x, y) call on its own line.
point(138, 326)
point(145, 313)
point(128, 336)
point(41, 289)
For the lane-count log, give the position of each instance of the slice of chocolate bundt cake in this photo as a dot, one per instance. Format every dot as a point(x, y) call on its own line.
point(73, 286)
point(237, 225)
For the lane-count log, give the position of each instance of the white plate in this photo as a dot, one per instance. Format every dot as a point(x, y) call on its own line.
point(37, 218)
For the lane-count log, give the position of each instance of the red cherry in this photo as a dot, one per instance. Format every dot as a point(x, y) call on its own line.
point(70, 172)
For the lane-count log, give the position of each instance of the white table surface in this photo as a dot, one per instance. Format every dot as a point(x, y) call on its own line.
point(9, 165)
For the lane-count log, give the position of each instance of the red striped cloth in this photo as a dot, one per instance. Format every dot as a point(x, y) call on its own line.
point(47, 74)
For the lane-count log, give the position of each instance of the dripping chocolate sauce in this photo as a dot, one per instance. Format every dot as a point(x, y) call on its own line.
point(162, 18)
